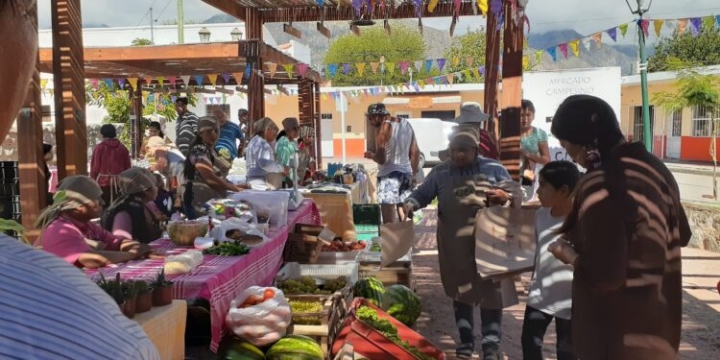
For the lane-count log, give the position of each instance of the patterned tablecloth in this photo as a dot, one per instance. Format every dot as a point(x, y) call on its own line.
point(220, 278)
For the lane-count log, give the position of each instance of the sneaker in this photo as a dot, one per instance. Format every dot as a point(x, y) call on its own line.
point(464, 351)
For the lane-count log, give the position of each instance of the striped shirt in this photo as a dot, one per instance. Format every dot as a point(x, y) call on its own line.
point(186, 129)
point(51, 310)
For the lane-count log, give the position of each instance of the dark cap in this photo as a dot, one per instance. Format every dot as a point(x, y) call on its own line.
point(182, 100)
point(377, 109)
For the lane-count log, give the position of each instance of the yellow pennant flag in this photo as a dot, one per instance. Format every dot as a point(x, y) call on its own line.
point(324, 96)
point(575, 47)
point(43, 83)
point(623, 29)
point(360, 68)
point(476, 72)
point(272, 68)
point(658, 26)
point(288, 70)
point(390, 67)
point(431, 5)
point(525, 62)
point(212, 78)
point(455, 61)
point(374, 66)
point(483, 6)
point(681, 26)
point(538, 55)
point(161, 80)
point(133, 82)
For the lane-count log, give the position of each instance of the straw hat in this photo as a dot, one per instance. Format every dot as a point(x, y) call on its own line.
point(471, 112)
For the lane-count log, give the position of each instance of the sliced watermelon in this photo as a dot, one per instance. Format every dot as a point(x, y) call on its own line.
point(238, 349)
point(371, 289)
point(295, 347)
point(401, 303)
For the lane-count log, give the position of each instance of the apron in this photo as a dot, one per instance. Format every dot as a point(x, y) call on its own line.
point(458, 207)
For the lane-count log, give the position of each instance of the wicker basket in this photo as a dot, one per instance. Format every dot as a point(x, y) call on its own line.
point(303, 245)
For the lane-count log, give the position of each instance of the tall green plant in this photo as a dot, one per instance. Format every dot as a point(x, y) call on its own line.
point(695, 89)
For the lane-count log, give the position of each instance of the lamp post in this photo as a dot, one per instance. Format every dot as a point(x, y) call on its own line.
point(647, 131)
point(235, 34)
point(204, 35)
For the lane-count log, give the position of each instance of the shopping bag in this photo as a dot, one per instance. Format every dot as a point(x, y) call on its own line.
point(504, 241)
point(397, 240)
point(263, 323)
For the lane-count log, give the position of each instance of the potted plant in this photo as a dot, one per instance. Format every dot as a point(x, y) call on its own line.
point(114, 289)
point(143, 301)
point(130, 295)
point(162, 290)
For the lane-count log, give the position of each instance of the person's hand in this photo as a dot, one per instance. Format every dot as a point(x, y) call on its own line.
point(140, 250)
point(369, 155)
point(409, 209)
point(563, 251)
point(497, 197)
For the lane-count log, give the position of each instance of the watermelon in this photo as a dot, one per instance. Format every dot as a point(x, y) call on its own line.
point(371, 289)
point(295, 347)
point(401, 303)
point(238, 349)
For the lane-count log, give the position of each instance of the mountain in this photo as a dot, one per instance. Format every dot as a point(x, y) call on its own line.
point(221, 19)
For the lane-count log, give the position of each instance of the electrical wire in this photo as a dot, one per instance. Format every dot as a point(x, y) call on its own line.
point(163, 10)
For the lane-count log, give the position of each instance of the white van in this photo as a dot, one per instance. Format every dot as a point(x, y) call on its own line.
point(433, 136)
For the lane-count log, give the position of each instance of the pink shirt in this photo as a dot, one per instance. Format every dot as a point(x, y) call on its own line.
point(65, 237)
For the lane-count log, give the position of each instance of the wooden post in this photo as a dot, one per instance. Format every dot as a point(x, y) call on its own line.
point(136, 127)
point(510, 131)
point(256, 83)
point(492, 72)
point(318, 131)
point(69, 80)
point(33, 186)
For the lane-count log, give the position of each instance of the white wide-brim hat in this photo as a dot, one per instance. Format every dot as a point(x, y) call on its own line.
point(471, 112)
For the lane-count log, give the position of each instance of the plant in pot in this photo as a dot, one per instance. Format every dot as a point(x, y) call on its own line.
point(143, 301)
point(114, 289)
point(130, 295)
point(162, 290)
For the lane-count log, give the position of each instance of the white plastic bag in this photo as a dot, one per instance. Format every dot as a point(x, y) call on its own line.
point(270, 204)
point(237, 224)
point(260, 324)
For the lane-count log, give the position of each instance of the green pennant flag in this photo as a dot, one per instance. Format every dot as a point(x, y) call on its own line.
point(623, 29)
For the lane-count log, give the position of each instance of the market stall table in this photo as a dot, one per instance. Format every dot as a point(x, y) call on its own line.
point(336, 210)
point(220, 278)
point(165, 326)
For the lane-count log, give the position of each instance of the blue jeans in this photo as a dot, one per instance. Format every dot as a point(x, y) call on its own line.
point(491, 321)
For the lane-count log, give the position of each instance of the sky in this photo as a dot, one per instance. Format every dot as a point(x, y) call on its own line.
point(584, 16)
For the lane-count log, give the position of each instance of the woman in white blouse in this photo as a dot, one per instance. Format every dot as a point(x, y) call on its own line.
point(260, 156)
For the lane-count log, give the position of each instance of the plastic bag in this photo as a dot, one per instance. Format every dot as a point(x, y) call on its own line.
point(272, 205)
point(263, 323)
point(227, 208)
point(220, 232)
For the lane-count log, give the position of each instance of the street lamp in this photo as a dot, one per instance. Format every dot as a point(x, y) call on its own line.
point(647, 130)
point(204, 35)
point(236, 34)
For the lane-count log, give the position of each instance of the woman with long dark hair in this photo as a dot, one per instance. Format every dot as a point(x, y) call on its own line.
point(623, 237)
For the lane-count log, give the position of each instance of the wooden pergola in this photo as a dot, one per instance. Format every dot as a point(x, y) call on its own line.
point(69, 73)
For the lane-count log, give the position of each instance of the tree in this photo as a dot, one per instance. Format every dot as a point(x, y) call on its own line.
point(404, 44)
point(695, 89)
point(119, 105)
point(702, 50)
point(472, 45)
point(141, 42)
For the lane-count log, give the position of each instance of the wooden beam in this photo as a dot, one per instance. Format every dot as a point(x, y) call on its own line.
point(33, 186)
point(317, 149)
point(510, 130)
point(136, 129)
point(492, 72)
point(69, 80)
point(228, 7)
point(252, 52)
point(157, 52)
point(347, 13)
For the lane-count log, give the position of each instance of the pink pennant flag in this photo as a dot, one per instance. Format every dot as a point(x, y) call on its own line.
point(94, 83)
point(172, 80)
point(148, 80)
point(404, 67)
point(645, 25)
point(564, 49)
point(302, 69)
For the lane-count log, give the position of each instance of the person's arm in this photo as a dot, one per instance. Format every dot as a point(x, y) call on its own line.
point(211, 179)
point(122, 226)
point(266, 159)
point(544, 156)
point(99, 258)
point(425, 193)
point(414, 155)
point(95, 162)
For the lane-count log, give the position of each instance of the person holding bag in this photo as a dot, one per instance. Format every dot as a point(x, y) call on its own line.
point(464, 184)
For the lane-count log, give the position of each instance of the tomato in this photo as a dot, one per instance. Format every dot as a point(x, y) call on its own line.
point(268, 294)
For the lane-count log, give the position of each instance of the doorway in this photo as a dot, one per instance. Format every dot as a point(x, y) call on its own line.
point(674, 134)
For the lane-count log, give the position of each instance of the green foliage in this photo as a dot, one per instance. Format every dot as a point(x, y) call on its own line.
point(141, 42)
point(693, 89)
point(684, 50)
point(404, 44)
point(119, 106)
point(13, 226)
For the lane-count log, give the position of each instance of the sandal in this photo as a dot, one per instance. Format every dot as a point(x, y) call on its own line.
point(464, 351)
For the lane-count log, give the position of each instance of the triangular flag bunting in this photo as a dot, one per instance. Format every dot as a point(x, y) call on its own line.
point(657, 24)
point(185, 79)
point(212, 78)
point(226, 78)
point(525, 61)
point(681, 25)
point(455, 61)
point(587, 42)
point(481, 68)
point(418, 65)
point(346, 68)
point(248, 71)
point(431, 5)
point(360, 69)
point(538, 55)
point(303, 69)
point(623, 29)
point(476, 73)
point(645, 25)
point(404, 67)
point(575, 47)
point(553, 53)
point(332, 70)
point(272, 69)
point(428, 65)
point(288, 70)
point(390, 67)
point(563, 49)
point(121, 82)
point(598, 39)
point(148, 80)
point(172, 79)
point(708, 22)
point(199, 79)
point(374, 66)
point(612, 33)
point(717, 20)
point(161, 81)
point(450, 78)
point(133, 82)
point(239, 77)
point(469, 61)
point(696, 24)
point(43, 83)
point(441, 63)
point(483, 6)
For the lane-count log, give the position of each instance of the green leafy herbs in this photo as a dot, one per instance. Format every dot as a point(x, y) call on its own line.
point(302, 309)
point(384, 326)
point(307, 285)
point(229, 248)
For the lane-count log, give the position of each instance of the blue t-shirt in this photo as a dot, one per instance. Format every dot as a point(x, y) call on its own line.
point(226, 145)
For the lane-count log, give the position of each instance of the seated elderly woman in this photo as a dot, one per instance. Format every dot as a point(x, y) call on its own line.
point(204, 169)
point(130, 215)
point(68, 233)
point(263, 171)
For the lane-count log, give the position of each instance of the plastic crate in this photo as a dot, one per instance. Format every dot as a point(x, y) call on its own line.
point(338, 257)
point(373, 344)
point(320, 273)
point(367, 214)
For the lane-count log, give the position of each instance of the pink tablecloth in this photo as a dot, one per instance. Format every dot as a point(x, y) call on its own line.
point(221, 278)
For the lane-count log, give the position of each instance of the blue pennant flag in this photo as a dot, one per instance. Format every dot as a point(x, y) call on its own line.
point(199, 79)
point(332, 69)
point(553, 52)
point(428, 65)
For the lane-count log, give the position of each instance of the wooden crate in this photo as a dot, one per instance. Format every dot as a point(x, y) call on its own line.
point(303, 245)
point(331, 318)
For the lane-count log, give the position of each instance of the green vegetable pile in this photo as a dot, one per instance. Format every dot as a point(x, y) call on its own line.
point(375, 247)
point(307, 285)
point(229, 248)
point(370, 317)
point(302, 309)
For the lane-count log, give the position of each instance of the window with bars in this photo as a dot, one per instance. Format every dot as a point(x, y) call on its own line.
point(676, 117)
point(702, 120)
point(638, 126)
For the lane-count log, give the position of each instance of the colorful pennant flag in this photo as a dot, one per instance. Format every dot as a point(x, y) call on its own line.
point(428, 65)
point(525, 61)
point(199, 79)
point(553, 53)
point(538, 55)
point(431, 5)
point(133, 82)
point(109, 83)
point(657, 24)
point(121, 82)
point(226, 78)
point(148, 80)
point(645, 25)
point(563, 49)
point(288, 70)
point(450, 78)
point(418, 65)
point(239, 77)
point(374, 66)
point(332, 69)
point(681, 25)
point(161, 81)
point(483, 6)
point(390, 67)
point(708, 22)
point(696, 24)
point(575, 47)
point(598, 39)
point(455, 61)
point(360, 69)
point(587, 42)
point(303, 69)
point(185, 79)
point(469, 61)
point(248, 71)
point(623, 29)
point(346, 68)
point(441, 63)
point(404, 67)
point(612, 33)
